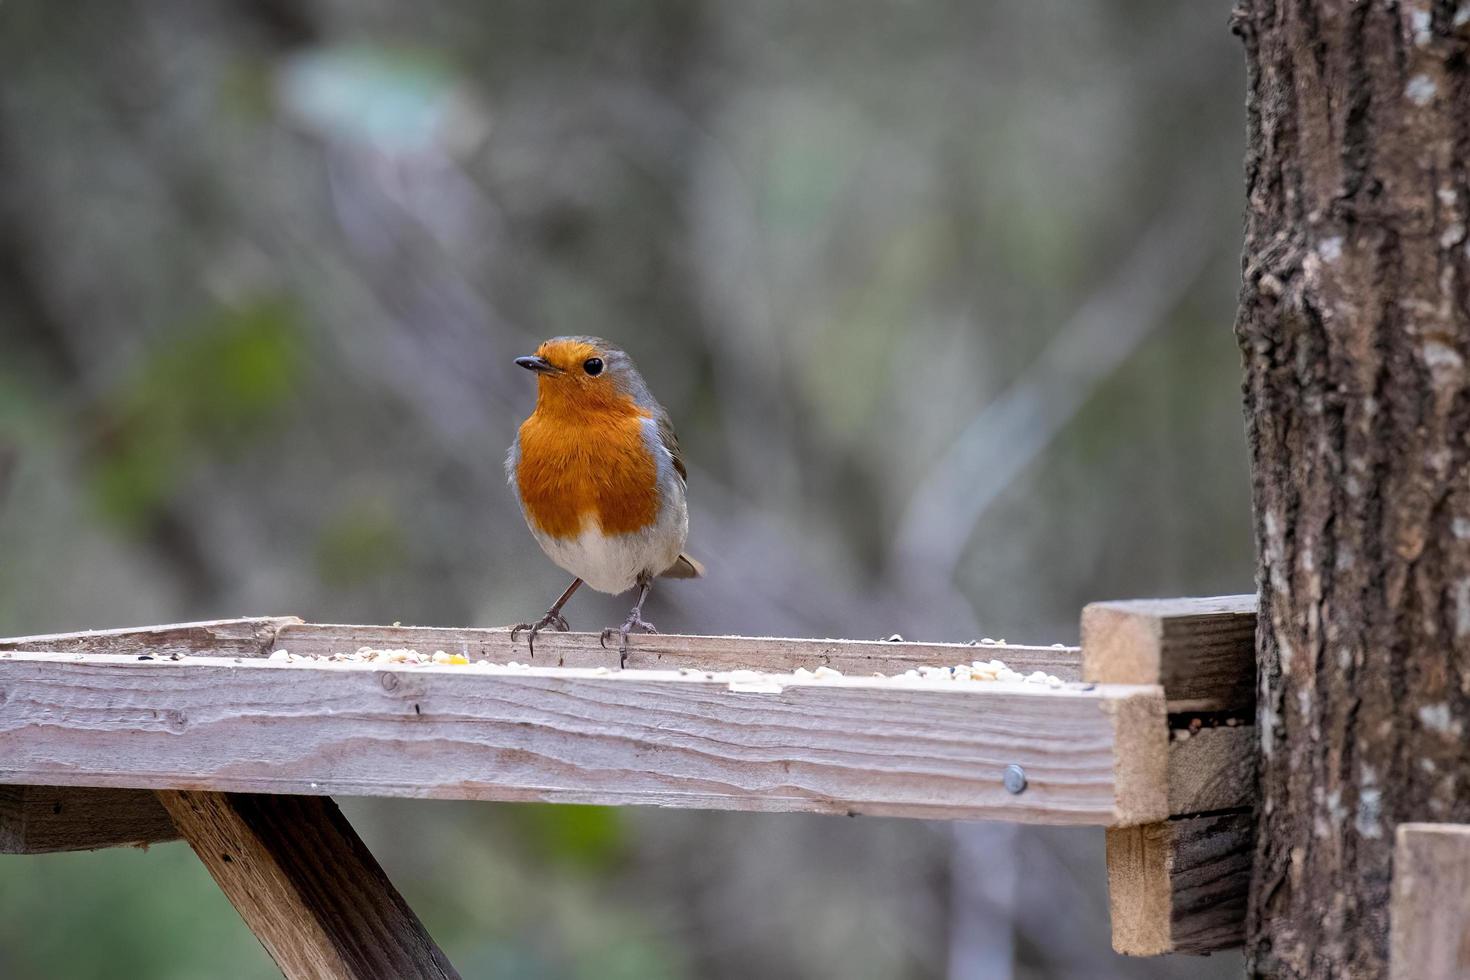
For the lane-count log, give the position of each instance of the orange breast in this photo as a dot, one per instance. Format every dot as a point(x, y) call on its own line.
point(597, 467)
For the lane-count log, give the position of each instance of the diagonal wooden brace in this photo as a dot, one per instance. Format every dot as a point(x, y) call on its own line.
point(307, 886)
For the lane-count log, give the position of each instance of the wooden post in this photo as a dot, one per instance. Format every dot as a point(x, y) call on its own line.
point(1430, 913)
point(306, 886)
point(1181, 885)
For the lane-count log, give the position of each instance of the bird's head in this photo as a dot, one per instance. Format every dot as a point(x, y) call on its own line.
point(585, 373)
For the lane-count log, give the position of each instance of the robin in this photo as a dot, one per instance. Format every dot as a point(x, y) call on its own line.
point(600, 480)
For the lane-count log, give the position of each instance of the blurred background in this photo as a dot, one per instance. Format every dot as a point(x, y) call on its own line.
point(939, 295)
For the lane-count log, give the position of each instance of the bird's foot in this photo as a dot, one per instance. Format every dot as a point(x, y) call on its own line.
point(553, 619)
point(635, 622)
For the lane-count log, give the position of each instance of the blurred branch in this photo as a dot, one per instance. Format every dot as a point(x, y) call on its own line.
point(1012, 430)
point(285, 24)
point(985, 876)
point(31, 315)
point(8, 457)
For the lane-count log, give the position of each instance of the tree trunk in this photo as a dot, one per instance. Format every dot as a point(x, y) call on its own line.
point(1355, 329)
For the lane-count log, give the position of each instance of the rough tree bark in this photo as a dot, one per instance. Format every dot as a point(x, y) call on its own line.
point(1355, 332)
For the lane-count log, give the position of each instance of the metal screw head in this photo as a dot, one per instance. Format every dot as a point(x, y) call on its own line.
point(1014, 779)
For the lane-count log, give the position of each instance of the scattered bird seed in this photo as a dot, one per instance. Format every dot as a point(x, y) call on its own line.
point(744, 681)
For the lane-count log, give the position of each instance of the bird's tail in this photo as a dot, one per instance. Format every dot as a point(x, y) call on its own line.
point(683, 567)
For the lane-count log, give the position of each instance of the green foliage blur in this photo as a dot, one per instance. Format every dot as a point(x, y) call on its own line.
point(217, 384)
point(939, 295)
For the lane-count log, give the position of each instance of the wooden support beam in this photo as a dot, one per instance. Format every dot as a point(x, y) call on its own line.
point(307, 886)
point(1201, 651)
point(257, 637)
point(44, 819)
point(1430, 910)
point(1092, 754)
point(1180, 885)
point(1212, 770)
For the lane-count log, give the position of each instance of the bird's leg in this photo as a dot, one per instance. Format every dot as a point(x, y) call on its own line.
point(635, 620)
point(552, 618)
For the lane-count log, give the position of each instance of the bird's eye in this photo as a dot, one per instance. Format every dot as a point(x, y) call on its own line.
point(593, 366)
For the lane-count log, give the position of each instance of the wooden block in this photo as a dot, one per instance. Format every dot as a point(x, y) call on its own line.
point(249, 637)
point(672, 651)
point(1212, 769)
point(44, 819)
point(1202, 651)
point(1430, 910)
point(307, 886)
point(1093, 754)
point(1180, 886)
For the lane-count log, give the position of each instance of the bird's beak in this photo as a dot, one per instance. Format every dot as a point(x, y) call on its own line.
point(540, 365)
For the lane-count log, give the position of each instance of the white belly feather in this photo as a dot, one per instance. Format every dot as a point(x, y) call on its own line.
point(612, 563)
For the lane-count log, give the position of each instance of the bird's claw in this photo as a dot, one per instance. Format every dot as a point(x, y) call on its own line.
point(635, 622)
point(553, 619)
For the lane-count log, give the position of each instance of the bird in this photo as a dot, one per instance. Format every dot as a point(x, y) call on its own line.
point(600, 479)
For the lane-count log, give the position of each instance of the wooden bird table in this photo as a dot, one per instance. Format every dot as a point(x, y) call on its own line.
point(209, 732)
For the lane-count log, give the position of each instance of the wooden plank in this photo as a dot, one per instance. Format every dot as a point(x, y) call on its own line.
point(45, 819)
point(672, 651)
point(307, 886)
point(259, 636)
point(1093, 754)
point(1202, 651)
point(249, 637)
point(1430, 909)
point(1212, 769)
point(1180, 885)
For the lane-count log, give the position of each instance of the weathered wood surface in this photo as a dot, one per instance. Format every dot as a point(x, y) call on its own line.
point(672, 651)
point(1180, 885)
point(1212, 769)
point(1430, 913)
point(249, 637)
point(1202, 651)
point(307, 887)
point(257, 637)
point(45, 819)
point(934, 749)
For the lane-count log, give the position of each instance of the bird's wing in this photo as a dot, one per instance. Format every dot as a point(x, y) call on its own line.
point(684, 566)
point(670, 442)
